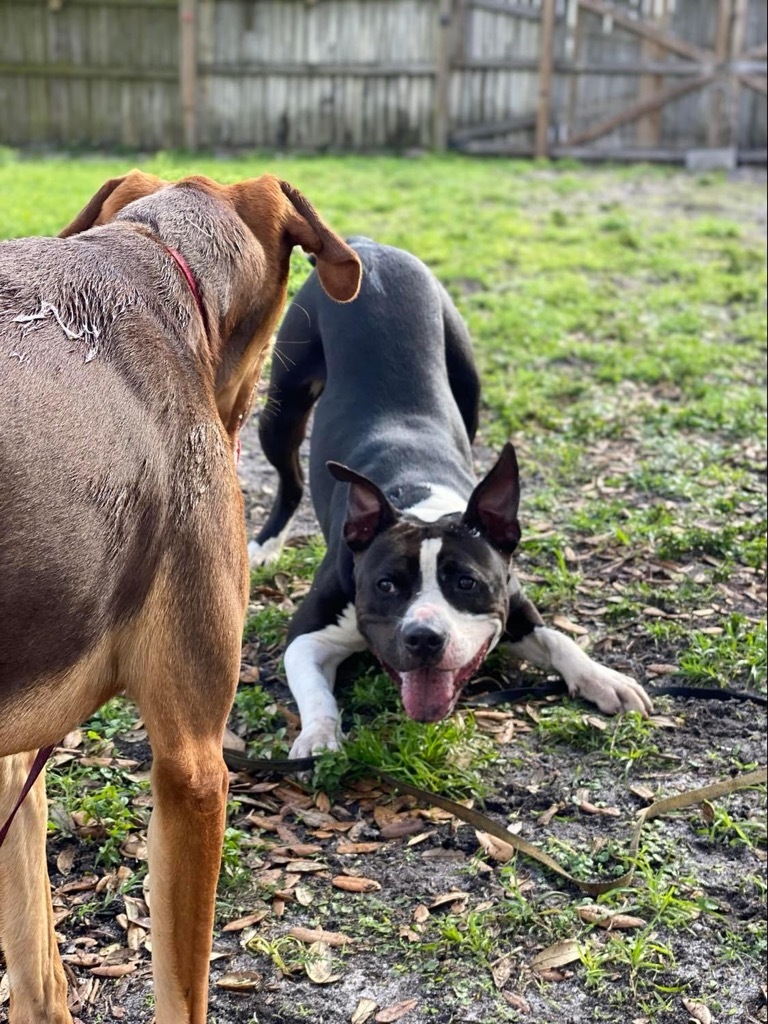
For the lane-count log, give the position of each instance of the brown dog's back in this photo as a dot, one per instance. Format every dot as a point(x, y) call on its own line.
point(111, 451)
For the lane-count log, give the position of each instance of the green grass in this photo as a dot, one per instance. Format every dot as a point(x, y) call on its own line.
point(619, 323)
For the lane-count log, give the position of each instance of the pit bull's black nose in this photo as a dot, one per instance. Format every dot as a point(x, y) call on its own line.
point(424, 642)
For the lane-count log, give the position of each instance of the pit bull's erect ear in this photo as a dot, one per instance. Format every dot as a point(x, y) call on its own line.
point(111, 198)
point(338, 266)
point(492, 508)
point(369, 511)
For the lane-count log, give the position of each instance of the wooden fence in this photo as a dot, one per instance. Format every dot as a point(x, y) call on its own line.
point(624, 79)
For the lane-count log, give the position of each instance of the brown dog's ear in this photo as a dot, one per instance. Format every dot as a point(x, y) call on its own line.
point(492, 507)
point(111, 198)
point(338, 266)
point(369, 511)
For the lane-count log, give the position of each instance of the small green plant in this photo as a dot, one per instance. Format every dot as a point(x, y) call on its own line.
point(726, 829)
point(256, 716)
point(471, 932)
point(423, 754)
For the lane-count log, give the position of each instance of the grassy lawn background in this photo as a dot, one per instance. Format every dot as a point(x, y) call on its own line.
point(619, 324)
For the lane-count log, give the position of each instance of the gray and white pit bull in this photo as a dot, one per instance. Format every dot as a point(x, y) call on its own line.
point(418, 563)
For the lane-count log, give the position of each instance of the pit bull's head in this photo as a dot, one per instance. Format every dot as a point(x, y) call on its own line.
point(432, 598)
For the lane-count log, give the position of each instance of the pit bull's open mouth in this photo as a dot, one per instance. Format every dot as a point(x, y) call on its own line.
point(430, 694)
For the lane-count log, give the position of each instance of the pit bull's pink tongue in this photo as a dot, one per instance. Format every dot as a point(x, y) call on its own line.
point(428, 693)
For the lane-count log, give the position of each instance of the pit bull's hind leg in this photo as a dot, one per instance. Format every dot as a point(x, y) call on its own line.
point(296, 382)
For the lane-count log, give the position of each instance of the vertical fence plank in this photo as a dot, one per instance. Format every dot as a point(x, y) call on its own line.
point(735, 48)
point(719, 122)
point(442, 74)
point(649, 126)
point(188, 71)
point(546, 41)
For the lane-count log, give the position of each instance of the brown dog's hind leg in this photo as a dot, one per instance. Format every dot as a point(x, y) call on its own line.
point(185, 840)
point(35, 971)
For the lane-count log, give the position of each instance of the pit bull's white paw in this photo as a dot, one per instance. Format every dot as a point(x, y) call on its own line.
point(322, 734)
point(611, 691)
point(268, 552)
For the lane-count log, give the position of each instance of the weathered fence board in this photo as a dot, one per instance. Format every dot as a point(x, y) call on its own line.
point(627, 76)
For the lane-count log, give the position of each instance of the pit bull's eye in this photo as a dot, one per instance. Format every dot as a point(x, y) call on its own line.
point(385, 585)
point(467, 583)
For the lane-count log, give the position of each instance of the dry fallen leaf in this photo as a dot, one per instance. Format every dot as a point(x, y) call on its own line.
point(231, 739)
point(517, 1002)
point(245, 922)
point(248, 674)
point(396, 1011)
point(501, 970)
point(569, 627)
point(556, 955)
point(707, 811)
point(343, 848)
point(136, 937)
point(454, 896)
point(593, 915)
point(319, 964)
point(661, 669)
point(136, 911)
point(545, 818)
point(697, 1011)
point(596, 723)
point(134, 846)
point(402, 827)
point(312, 935)
point(304, 867)
point(113, 970)
point(240, 981)
point(550, 974)
point(607, 812)
point(644, 792)
point(322, 802)
point(350, 883)
point(421, 914)
point(363, 1011)
point(65, 859)
point(496, 849)
point(665, 722)
point(304, 896)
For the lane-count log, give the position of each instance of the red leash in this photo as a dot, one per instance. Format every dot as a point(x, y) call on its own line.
point(37, 766)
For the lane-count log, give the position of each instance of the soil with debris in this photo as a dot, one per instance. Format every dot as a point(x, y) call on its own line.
point(421, 866)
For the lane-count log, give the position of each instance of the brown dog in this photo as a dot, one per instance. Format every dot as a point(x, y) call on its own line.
point(128, 357)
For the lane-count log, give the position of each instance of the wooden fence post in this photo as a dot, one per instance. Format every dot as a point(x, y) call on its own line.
point(442, 74)
point(545, 77)
point(188, 71)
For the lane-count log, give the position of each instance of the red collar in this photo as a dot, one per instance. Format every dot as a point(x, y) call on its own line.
point(189, 277)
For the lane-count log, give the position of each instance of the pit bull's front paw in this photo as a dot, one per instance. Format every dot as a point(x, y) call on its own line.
point(323, 734)
point(611, 691)
point(266, 553)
